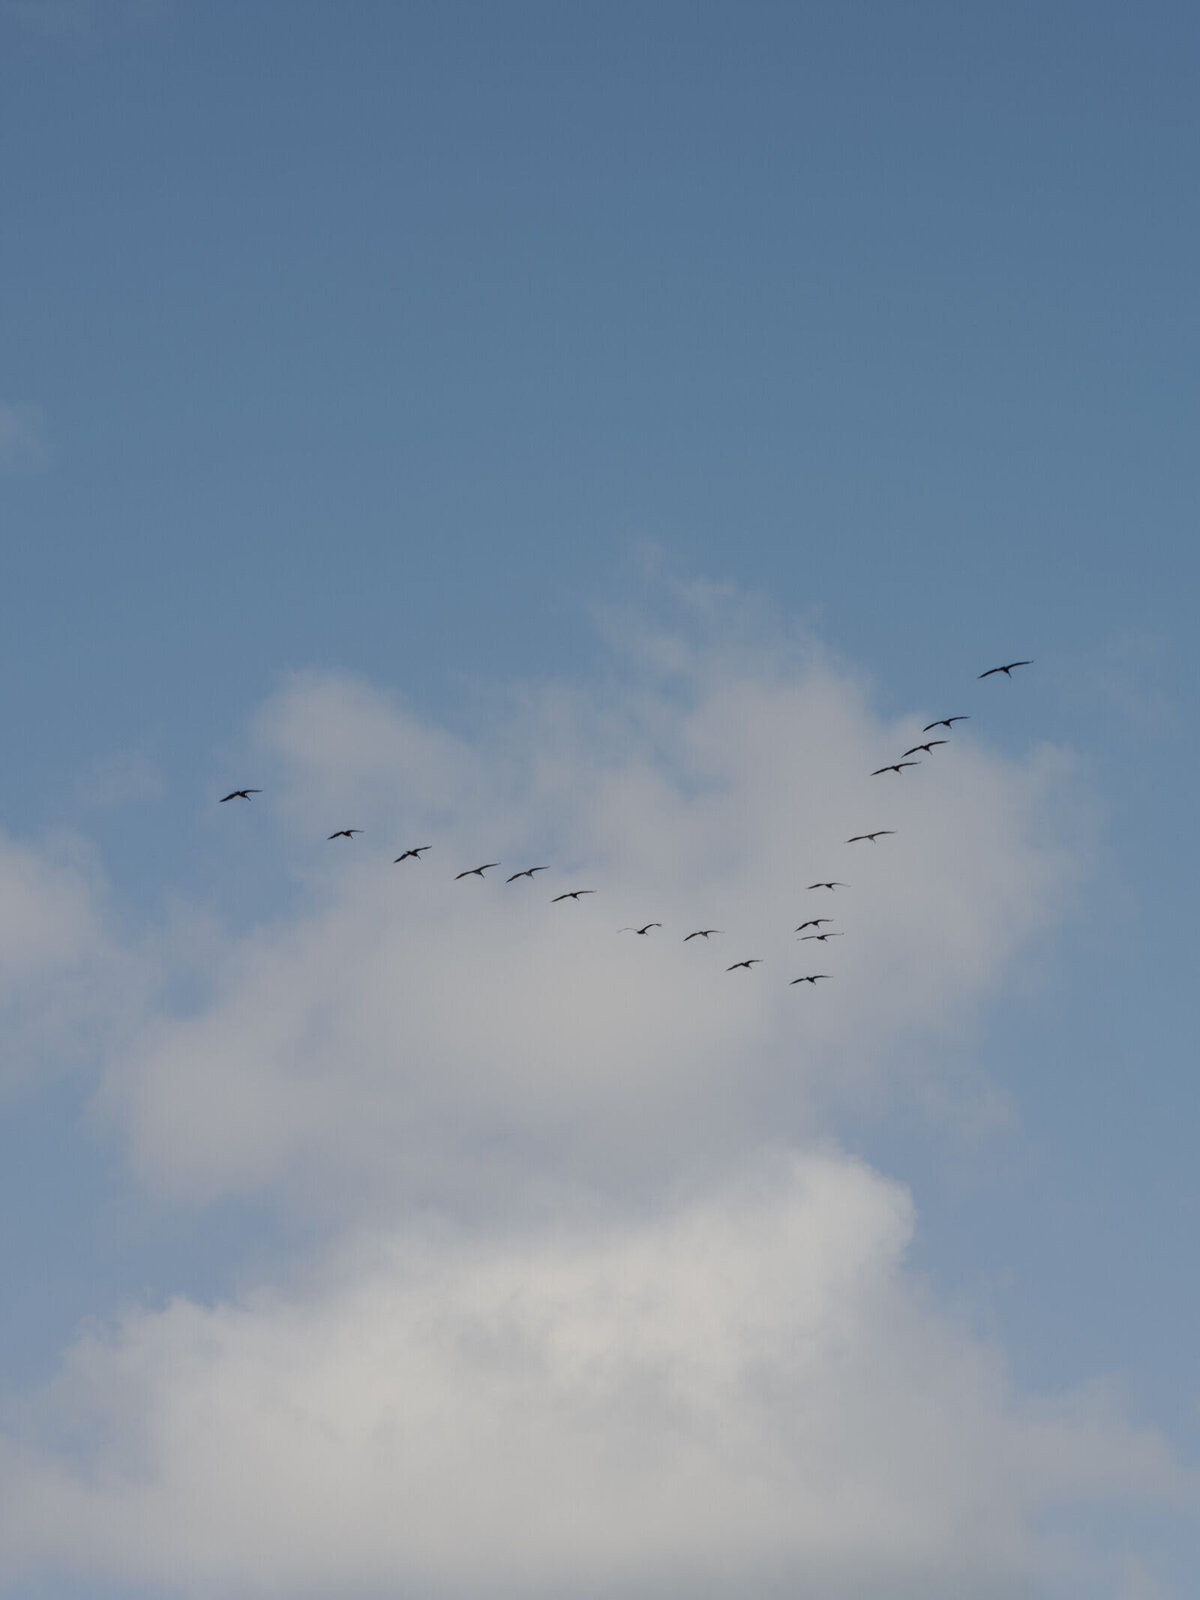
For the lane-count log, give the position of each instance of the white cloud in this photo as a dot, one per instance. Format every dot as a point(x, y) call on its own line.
point(605, 1314)
point(740, 1396)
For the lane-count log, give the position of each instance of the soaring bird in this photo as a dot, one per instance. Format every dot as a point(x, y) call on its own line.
point(833, 884)
point(1007, 671)
point(926, 747)
point(239, 794)
point(571, 894)
point(700, 933)
point(345, 833)
point(528, 873)
point(475, 872)
point(945, 722)
point(821, 936)
point(415, 852)
point(878, 834)
point(754, 961)
point(813, 922)
point(896, 766)
point(811, 978)
point(642, 931)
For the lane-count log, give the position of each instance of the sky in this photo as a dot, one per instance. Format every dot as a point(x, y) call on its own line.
point(598, 437)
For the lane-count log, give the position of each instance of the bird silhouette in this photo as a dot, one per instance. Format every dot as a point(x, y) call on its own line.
point(832, 884)
point(878, 834)
point(813, 922)
point(239, 794)
point(944, 722)
point(700, 933)
point(475, 872)
point(926, 747)
point(571, 894)
point(345, 833)
point(896, 766)
point(642, 931)
point(415, 852)
point(821, 936)
point(528, 873)
point(754, 961)
point(811, 977)
point(1007, 671)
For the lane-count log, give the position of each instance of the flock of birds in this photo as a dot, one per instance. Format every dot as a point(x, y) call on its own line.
point(416, 852)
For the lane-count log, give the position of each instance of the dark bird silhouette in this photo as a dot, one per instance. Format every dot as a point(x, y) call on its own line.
point(812, 977)
point(528, 873)
point(1007, 671)
point(700, 933)
point(345, 833)
point(813, 922)
point(878, 834)
point(415, 852)
point(642, 931)
point(945, 722)
point(571, 894)
point(832, 884)
point(926, 747)
point(475, 872)
point(896, 766)
point(754, 961)
point(821, 936)
point(239, 794)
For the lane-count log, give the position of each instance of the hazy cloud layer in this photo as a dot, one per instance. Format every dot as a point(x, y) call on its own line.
point(605, 1312)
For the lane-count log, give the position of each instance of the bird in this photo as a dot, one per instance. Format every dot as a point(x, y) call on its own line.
point(1007, 671)
point(810, 978)
point(700, 933)
point(833, 884)
point(239, 794)
point(475, 872)
point(896, 766)
point(879, 832)
point(926, 747)
point(415, 852)
point(813, 922)
point(821, 936)
point(944, 722)
point(642, 931)
point(528, 873)
point(571, 894)
point(754, 961)
point(345, 833)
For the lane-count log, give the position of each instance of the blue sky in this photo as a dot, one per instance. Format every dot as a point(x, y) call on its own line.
point(397, 368)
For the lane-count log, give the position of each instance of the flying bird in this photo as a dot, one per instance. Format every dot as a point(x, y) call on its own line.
point(821, 936)
point(642, 931)
point(754, 961)
point(345, 833)
point(571, 894)
point(834, 884)
point(1007, 671)
point(528, 873)
point(700, 933)
point(475, 872)
point(896, 766)
point(239, 794)
point(813, 922)
point(878, 834)
point(811, 978)
point(926, 747)
point(945, 722)
point(415, 852)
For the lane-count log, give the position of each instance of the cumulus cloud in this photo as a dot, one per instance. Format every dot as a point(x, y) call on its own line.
point(742, 1395)
point(600, 1308)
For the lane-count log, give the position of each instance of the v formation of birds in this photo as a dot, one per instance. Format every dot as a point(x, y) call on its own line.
point(417, 852)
